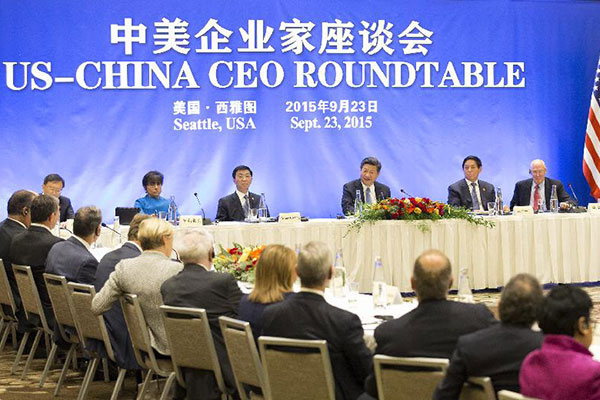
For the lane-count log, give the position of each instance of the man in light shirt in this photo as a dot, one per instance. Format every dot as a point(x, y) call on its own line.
point(370, 190)
point(471, 192)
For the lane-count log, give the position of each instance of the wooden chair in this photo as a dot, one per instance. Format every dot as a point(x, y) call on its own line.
point(243, 355)
point(478, 388)
point(400, 377)
point(508, 395)
point(191, 343)
point(289, 364)
point(140, 341)
point(8, 320)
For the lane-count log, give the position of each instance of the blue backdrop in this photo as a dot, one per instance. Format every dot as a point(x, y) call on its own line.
point(103, 140)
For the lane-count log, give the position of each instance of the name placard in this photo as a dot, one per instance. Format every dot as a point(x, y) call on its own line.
point(523, 210)
point(594, 208)
point(286, 218)
point(190, 220)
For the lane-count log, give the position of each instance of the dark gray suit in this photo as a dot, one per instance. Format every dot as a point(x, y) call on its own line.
point(66, 209)
point(459, 194)
point(349, 194)
point(72, 260)
point(230, 208)
point(522, 194)
point(219, 295)
point(8, 230)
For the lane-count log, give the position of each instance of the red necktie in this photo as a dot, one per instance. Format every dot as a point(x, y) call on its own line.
point(536, 197)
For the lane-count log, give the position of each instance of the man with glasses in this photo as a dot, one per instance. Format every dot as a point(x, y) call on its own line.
point(53, 186)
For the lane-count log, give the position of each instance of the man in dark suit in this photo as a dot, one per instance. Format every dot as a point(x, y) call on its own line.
point(198, 287)
point(115, 322)
point(32, 246)
point(237, 206)
point(471, 192)
point(370, 190)
point(499, 350)
point(306, 315)
point(19, 219)
point(538, 189)
point(53, 186)
point(431, 329)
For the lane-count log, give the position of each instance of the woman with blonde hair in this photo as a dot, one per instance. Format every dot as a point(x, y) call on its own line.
point(275, 275)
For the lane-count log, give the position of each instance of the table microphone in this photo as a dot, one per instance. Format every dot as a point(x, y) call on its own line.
point(65, 229)
point(200, 204)
point(108, 227)
point(574, 195)
point(403, 192)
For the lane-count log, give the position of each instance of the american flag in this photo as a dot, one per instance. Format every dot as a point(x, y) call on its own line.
point(591, 151)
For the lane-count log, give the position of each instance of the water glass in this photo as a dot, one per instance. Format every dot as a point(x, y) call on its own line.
point(162, 215)
point(491, 206)
point(353, 292)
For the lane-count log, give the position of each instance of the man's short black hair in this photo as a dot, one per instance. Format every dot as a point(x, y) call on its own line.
point(474, 158)
point(240, 168)
point(561, 309)
point(152, 177)
point(87, 219)
point(520, 301)
point(18, 201)
point(54, 178)
point(42, 207)
point(371, 161)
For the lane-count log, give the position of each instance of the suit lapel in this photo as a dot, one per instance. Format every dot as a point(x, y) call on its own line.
point(237, 207)
point(466, 193)
point(548, 191)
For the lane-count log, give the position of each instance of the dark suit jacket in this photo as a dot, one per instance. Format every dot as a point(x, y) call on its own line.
point(230, 208)
point(219, 295)
point(497, 352)
point(459, 194)
point(252, 312)
point(72, 260)
point(115, 322)
point(308, 316)
point(66, 209)
point(430, 330)
point(522, 193)
point(31, 248)
point(8, 230)
point(349, 194)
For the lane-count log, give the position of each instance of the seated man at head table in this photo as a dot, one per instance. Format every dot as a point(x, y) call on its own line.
point(471, 192)
point(53, 186)
point(152, 202)
point(433, 328)
point(536, 191)
point(237, 206)
point(370, 190)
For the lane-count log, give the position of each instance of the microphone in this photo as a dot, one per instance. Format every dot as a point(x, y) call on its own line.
point(64, 229)
point(574, 195)
point(109, 228)
point(200, 204)
point(404, 192)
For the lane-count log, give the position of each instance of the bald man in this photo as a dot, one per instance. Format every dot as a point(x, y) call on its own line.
point(538, 189)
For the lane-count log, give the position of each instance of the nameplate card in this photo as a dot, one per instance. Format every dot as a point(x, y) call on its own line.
point(288, 218)
point(594, 207)
point(523, 210)
point(190, 220)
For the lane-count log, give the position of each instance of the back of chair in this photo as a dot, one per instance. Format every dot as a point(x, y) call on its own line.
point(89, 325)
point(400, 377)
point(289, 364)
point(30, 296)
point(61, 302)
point(6, 295)
point(138, 330)
point(242, 352)
point(508, 395)
point(478, 388)
point(190, 341)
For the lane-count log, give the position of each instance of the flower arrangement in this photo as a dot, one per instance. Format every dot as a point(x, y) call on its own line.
point(414, 208)
point(238, 261)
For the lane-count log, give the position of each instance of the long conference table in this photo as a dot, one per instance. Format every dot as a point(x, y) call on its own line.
point(554, 247)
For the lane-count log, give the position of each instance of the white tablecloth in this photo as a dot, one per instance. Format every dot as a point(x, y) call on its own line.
point(553, 247)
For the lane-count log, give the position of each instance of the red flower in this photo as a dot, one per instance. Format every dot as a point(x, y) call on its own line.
point(232, 251)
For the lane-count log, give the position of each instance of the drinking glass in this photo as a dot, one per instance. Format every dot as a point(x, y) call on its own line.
point(491, 206)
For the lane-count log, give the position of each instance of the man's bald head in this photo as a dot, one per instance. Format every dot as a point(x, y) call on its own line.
point(537, 169)
point(432, 275)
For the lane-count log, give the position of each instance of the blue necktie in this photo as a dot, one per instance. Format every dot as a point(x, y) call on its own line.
point(368, 196)
point(474, 196)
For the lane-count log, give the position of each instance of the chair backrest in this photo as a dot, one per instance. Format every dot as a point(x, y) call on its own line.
point(508, 395)
point(30, 297)
point(242, 352)
point(191, 342)
point(408, 377)
point(478, 388)
point(288, 365)
point(61, 303)
point(89, 325)
point(6, 295)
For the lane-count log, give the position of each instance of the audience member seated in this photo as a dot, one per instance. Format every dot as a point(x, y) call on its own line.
point(53, 186)
point(499, 350)
point(275, 275)
point(306, 315)
point(431, 329)
point(197, 286)
point(115, 322)
point(563, 368)
point(143, 276)
point(19, 219)
point(237, 206)
point(72, 258)
point(32, 246)
point(152, 202)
